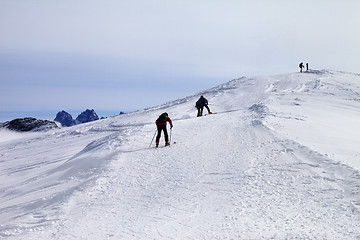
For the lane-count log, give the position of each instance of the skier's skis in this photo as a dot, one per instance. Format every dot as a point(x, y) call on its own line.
point(210, 113)
point(165, 146)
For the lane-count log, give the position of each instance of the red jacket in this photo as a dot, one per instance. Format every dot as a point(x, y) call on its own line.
point(167, 119)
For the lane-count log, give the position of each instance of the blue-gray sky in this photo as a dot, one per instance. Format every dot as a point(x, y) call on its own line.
point(127, 55)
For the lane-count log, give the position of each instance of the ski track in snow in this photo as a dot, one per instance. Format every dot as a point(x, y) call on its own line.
point(262, 168)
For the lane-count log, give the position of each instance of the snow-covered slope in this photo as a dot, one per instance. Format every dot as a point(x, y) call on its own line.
point(279, 160)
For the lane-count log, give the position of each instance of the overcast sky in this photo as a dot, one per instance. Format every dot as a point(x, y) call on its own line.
point(127, 55)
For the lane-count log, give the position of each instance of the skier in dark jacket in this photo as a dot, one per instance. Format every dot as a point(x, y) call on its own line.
point(161, 126)
point(301, 66)
point(200, 104)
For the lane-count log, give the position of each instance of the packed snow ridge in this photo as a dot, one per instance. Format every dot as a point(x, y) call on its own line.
point(279, 160)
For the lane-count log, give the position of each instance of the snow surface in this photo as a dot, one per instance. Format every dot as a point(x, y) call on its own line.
point(279, 160)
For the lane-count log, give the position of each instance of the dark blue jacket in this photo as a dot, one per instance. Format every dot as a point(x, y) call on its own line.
point(202, 102)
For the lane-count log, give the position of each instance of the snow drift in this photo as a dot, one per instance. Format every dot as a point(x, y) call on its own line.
point(279, 160)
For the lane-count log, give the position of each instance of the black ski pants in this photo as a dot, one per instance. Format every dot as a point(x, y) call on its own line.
point(200, 110)
point(162, 128)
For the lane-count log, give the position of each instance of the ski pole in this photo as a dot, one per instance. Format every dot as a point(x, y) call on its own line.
point(153, 138)
point(170, 134)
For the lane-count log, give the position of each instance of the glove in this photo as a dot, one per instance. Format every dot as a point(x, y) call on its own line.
point(171, 126)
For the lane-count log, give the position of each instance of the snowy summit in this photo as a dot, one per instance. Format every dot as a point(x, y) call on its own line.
point(280, 159)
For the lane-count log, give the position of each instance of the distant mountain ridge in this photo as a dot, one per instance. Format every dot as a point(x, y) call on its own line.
point(66, 120)
point(87, 116)
point(29, 124)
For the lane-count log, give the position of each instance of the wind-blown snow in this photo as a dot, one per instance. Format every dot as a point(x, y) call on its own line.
point(279, 160)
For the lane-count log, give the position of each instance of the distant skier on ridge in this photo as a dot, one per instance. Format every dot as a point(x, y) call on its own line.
point(301, 66)
point(161, 126)
point(200, 104)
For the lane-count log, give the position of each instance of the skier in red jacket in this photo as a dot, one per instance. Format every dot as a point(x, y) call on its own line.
point(161, 125)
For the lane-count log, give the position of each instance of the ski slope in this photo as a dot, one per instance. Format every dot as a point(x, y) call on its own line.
point(279, 160)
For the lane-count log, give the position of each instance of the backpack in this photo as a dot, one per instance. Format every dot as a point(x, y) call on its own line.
point(161, 118)
point(201, 102)
point(198, 104)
